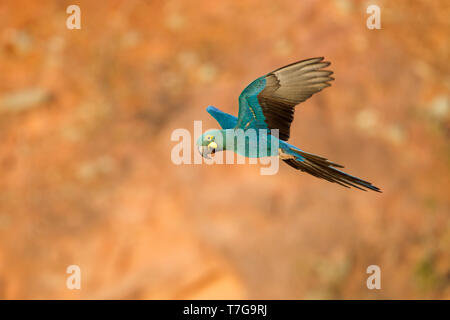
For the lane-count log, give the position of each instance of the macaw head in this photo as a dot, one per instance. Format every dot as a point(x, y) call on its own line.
point(210, 142)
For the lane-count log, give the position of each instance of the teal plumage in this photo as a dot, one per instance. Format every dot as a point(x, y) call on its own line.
point(268, 103)
point(226, 121)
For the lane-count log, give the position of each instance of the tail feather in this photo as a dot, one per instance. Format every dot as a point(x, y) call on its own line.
point(324, 169)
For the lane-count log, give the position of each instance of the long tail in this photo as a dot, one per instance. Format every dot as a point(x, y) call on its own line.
point(324, 169)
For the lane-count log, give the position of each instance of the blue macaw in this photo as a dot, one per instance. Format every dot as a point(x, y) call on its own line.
point(268, 103)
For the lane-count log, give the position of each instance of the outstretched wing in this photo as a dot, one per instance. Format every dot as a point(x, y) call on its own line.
point(269, 101)
point(226, 121)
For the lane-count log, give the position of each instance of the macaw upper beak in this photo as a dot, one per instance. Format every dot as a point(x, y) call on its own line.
point(205, 151)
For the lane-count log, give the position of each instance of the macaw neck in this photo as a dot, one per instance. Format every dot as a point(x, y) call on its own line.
point(250, 143)
point(227, 134)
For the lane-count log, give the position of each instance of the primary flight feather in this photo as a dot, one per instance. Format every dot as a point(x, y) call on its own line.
point(269, 103)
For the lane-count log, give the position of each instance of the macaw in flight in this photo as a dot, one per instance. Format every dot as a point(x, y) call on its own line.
point(268, 103)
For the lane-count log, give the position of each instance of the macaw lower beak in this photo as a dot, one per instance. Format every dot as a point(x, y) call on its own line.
point(205, 151)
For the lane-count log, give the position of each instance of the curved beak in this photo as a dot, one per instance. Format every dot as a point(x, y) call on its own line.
point(205, 151)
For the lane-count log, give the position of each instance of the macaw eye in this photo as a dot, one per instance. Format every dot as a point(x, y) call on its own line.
point(208, 138)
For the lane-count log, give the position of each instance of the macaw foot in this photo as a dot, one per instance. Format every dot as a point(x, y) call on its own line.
point(285, 156)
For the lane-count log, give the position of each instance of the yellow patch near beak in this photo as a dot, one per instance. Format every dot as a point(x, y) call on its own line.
point(212, 145)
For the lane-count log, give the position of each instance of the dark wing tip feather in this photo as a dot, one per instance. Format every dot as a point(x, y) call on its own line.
point(288, 86)
point(304, 62)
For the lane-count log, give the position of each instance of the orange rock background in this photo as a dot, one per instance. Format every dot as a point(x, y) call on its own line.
point(86, 176)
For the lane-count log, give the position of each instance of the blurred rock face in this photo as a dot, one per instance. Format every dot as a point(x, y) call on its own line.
point(86, 176)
